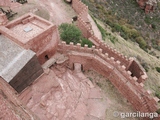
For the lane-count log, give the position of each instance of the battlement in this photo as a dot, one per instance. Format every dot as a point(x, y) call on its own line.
point(88, 33)
point(111, 68)
point(125, 74)
point(85, 27)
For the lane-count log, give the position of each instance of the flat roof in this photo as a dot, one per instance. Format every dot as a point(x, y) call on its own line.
point(12, 58)
point(28, 27)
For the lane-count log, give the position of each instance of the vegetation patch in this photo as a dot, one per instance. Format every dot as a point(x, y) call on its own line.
point(158, 69)
point(85, 41)
point(101, 29)
point(158, 111)
point(112, 38)
point(71, 33)
point(126, 18)
point(157, 94)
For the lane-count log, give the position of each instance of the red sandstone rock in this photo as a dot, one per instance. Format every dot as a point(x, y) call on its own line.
point(147, 5)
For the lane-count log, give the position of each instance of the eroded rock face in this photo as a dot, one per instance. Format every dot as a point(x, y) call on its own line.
point(147, 5)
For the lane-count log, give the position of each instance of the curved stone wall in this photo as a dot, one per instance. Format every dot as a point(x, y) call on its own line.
point(85, 27)
point(94, 59)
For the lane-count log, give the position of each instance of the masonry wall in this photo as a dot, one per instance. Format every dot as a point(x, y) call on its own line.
point(95, 59)
point(10, 107)
point(30, 72)
point(48, 48)
point(85, 27)
point(43, 44)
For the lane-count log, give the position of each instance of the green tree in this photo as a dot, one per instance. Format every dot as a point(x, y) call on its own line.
point(158, 69)
point(142, 43)
point(86, 41)
point(70, 33)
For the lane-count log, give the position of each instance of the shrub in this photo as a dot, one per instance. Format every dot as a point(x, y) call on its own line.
point(117, 27)
point(153, 26)
point(157, 94)
point(142, 43)
point(158, 4)
point(158, 111)
point(112, 38)
point(134, 33)
point(145, 66)
point(86, 41)
point(101, 29)
point(70, 33)
point(158, 69)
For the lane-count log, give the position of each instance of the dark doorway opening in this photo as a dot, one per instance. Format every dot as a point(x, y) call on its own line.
point(46, 57)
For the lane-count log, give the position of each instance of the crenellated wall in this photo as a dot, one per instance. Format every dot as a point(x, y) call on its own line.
point(95, 59)
point(85, 27)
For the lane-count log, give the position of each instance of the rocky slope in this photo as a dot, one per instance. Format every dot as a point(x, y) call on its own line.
point(147, 5)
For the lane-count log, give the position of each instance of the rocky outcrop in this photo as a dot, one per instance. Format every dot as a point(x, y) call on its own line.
point(147, 5)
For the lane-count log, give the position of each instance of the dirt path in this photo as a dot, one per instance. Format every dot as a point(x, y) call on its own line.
point(59, 11)
point(96, 31)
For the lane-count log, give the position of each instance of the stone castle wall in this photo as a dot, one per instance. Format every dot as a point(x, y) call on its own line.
point(125, 74)
point(81, 8)
point(85, 27)
point(95, 59)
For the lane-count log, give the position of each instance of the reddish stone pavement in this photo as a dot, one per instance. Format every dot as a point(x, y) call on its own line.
point(62, 94)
